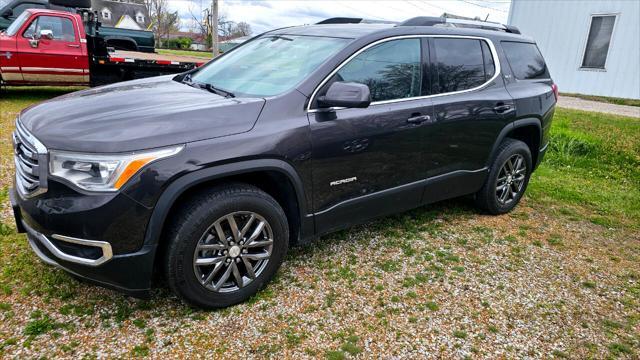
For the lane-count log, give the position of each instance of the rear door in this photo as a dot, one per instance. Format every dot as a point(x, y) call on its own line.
point(471, 107)
point(364, 155)
point(61, 59)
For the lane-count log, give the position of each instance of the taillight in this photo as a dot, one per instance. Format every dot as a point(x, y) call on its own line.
point(554, 87)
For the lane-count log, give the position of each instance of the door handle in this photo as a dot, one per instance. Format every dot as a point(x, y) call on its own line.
point(418, 119)
point(73, 45)
point(502, 108)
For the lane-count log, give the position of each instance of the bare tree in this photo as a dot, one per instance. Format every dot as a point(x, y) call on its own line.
point(200, 23)
point(243, 29)
point(163, 22)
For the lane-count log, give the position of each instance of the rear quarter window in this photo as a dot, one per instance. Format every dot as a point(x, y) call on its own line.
point(525, 60)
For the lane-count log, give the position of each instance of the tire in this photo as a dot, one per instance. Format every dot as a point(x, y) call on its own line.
point(493, 197)
point(198, 223)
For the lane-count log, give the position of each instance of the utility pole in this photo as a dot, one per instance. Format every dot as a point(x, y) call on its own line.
point(214, 27)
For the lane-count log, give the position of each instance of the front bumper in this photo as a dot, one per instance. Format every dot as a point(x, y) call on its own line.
point(91, 260)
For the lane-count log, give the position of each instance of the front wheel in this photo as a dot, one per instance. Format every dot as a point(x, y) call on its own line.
point(508, 178)
point(225, 245)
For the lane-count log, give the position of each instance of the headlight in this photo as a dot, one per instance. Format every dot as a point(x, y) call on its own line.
point(99, 172)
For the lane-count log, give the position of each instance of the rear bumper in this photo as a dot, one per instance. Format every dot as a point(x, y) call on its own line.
point(130, 273)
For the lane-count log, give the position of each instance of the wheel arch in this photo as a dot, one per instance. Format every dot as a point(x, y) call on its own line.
point(249, 172)
point(527, 130)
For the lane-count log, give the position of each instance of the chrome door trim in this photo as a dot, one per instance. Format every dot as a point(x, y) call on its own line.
point(492, 47)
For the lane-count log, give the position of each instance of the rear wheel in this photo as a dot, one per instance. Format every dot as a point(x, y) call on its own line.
point(225, 245)
point(508, 178)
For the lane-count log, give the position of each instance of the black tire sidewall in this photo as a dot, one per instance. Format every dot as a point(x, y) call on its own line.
point(181, 276)
point(513, 147)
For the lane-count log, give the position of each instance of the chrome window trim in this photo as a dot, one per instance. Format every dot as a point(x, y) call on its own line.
point(494, 54)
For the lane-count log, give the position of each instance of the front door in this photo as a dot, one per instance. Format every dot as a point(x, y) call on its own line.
point(51, 52)
point(364, 155)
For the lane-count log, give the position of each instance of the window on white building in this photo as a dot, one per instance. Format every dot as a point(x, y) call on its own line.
point(106, 14)
point(597, 46)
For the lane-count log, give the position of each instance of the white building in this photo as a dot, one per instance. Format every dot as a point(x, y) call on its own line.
point(591, 47)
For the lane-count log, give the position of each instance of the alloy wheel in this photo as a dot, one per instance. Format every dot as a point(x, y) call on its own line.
point(510, 179)
point(233, 251)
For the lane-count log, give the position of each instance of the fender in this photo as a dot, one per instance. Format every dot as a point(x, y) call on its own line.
point(510, 127)
point(186, 182)
point(123, 38)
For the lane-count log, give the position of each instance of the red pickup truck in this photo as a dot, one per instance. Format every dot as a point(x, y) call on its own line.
point(51, 47)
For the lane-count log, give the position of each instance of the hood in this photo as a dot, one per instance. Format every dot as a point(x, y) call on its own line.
point(138, 115)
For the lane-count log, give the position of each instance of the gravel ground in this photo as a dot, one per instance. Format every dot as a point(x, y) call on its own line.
point(597, 106)
point(445, 283)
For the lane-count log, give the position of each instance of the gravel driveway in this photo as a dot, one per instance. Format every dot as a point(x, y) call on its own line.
point(597, 106)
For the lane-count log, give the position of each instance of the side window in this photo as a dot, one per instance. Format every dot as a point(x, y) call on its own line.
point(461, 64)
point(489, 65)
point(62, 28)
point(597, 48)
point(392, 70)
point(525, 60)
point(31, 30)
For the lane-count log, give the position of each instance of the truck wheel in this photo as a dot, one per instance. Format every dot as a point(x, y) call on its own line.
point(224, 245)
point(508, 178)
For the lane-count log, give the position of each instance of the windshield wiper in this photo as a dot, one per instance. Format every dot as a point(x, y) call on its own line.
point(219, 91)
point(280, 37)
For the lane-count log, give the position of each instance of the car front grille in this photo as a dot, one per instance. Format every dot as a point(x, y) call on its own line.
point(31, 162)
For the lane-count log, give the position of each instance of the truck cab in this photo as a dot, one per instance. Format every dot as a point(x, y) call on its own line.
point(52, 47)
point(45, 47)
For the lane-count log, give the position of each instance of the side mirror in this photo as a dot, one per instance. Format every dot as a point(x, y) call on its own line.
point(7, 13)
point(346, 94)
point(45, 34)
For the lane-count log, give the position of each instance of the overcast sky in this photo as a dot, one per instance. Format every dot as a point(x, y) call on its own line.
point(265, 15)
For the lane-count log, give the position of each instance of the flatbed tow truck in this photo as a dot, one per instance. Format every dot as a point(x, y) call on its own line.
point(53, 47)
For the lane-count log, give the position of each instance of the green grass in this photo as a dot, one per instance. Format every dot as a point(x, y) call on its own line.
point(606, 99)
point(202, 54)
point(593, 162)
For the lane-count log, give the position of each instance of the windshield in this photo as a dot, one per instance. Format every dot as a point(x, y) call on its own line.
point(17, 23)
point(268, 66)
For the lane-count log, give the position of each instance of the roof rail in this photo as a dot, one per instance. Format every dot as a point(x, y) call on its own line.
point(340, 20)
point(348, 20)
point(444, 21)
